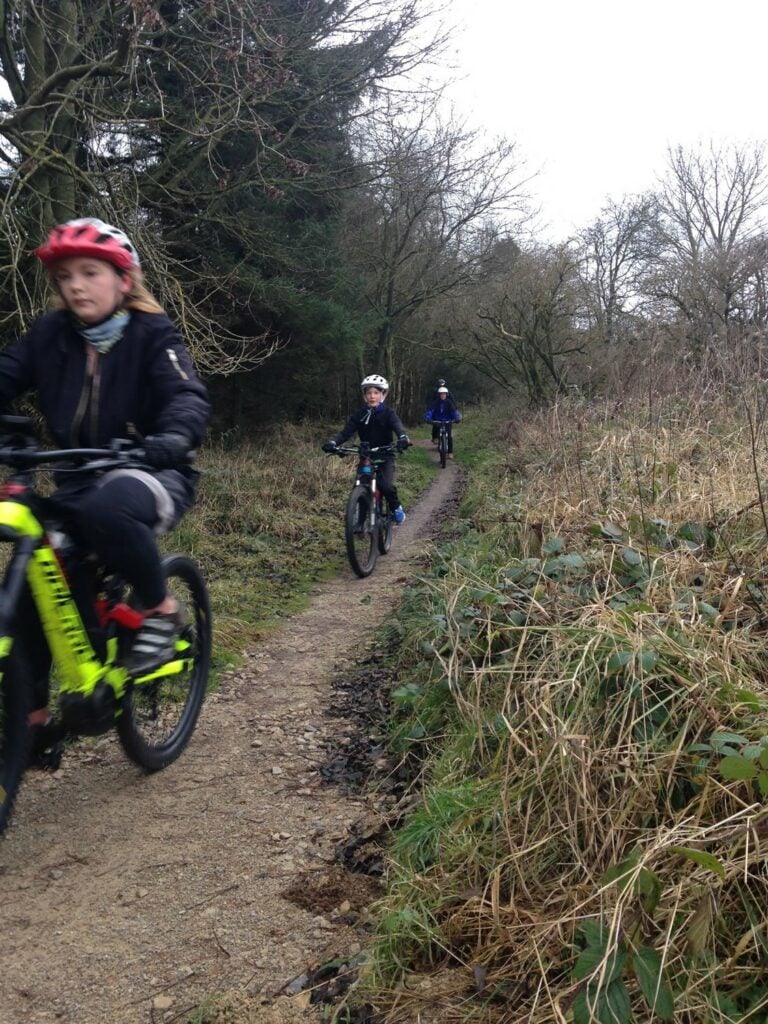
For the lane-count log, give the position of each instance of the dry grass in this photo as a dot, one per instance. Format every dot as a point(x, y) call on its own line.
point(584, 851)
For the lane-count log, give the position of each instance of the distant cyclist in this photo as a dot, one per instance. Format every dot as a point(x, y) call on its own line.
point(441, 410)
point(375, 423)
point(431, 399)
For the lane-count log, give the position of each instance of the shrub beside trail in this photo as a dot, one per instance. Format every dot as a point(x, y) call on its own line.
point(583, 698)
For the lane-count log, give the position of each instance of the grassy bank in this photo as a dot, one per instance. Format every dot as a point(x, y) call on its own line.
point(583, 693)
point(269, 524)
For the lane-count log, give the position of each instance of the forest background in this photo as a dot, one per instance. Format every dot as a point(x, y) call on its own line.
point(310, 210)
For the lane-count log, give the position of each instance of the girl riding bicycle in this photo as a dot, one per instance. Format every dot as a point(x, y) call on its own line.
point(443, 409)
point(108, 363)
point(375, 423)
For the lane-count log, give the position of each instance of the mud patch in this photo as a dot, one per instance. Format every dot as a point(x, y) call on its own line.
point(339, 894)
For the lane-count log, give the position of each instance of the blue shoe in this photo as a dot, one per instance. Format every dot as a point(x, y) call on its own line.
point(398, 516)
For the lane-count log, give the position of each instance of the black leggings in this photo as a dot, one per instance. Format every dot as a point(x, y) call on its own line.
point(386, 477)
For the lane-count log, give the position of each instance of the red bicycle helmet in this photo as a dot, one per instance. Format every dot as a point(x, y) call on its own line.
point(89, 236)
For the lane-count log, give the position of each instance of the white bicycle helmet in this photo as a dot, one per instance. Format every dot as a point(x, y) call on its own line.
point(375, 380)
point(443, 390)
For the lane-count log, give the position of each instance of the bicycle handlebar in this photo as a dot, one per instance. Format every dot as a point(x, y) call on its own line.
point(363, 449)
point(89, 458)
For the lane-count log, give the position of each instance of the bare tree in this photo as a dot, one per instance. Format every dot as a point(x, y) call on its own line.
point(527, 332)
point(615, 251)
point(168, 115)
point(711, 240)
point(428, 219)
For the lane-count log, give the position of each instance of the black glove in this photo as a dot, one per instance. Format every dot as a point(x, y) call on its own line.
point(403, 442)
point(330, 446)
point(167, 451)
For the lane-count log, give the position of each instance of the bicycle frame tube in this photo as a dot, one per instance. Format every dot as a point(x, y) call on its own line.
point(34, 559)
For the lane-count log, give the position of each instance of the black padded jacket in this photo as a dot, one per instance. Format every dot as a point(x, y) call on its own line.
point(146, 384)
point(376, 426)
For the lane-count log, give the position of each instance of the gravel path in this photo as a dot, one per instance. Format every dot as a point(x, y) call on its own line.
point(130, 898)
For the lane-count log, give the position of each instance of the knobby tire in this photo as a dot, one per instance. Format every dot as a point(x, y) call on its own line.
point(443, 448)
point(157, 719)
point(360, 535)
point(15, 690)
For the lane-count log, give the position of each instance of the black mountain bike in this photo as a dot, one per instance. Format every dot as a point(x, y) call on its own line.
point(442, 442)
point(368, 526)
point(89, 618)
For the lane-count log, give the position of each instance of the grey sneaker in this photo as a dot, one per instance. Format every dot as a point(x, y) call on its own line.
point(155, 641)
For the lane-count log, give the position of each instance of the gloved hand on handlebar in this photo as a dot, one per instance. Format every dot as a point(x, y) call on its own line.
point(403, 442)
point(330, 446)
point(167, 451)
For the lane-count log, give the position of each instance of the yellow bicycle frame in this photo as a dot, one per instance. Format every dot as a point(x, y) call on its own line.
point(79, 668)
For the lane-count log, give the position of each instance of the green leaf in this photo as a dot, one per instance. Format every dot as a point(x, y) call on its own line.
point(706, 860)
point(588, 961)
point(737, 768)
point(618, 661)
point(719, 739)
point(593, 932)
point(649, 887)
point(618, 1004)
point(552, 546)
point(708, 611)
point(611, 530)
point(648, 660)
point(620, 872)
point(574, 561)
point(630, 556)
point(763, 758)
point(748, 698)
point(762, 783)
point(752, 751)
point(695, 532)
point(648, 968)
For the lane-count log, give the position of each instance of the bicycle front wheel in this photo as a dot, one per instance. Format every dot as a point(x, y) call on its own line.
point(360, 531)
point(443, 448)
point(15, 691)
point(158, 716)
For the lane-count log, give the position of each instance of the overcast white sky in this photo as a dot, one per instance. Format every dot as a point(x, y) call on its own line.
point(594, 91)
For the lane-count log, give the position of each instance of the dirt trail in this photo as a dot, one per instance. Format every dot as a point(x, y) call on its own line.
point(129, 898)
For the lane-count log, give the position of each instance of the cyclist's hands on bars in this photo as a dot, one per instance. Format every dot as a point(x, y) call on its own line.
point(403, 442)
point(330, 446)
point(167, 451)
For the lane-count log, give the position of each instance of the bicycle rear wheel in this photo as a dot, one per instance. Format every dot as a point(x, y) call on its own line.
point(443, 447)
point(360, 532)
point(384, 532)
point(158, 717)
point(15, 689)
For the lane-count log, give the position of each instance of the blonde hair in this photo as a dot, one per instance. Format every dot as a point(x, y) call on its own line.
point(139, 297)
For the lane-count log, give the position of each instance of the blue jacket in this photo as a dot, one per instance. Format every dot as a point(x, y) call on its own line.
point(443, 409)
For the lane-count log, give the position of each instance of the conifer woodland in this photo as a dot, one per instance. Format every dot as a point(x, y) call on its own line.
point(579, 676)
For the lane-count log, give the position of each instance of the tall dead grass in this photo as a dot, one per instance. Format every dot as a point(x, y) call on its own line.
point(592, 719)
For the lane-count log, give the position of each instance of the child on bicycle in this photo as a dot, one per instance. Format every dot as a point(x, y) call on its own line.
point(107, 363)
point(375, 423)
point(431, 399)
point(443, 409)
